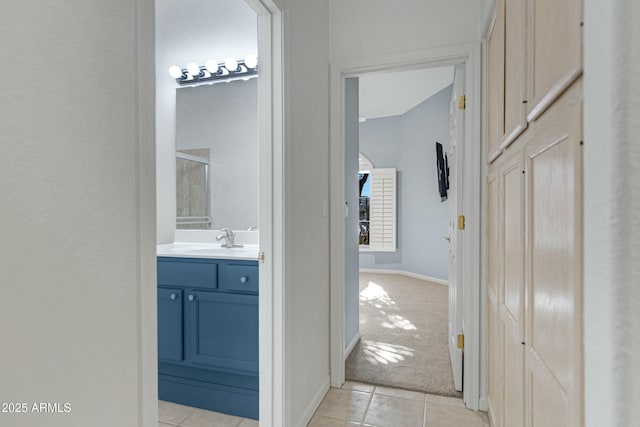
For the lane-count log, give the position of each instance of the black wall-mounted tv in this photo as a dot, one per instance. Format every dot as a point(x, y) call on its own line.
point(442, 165)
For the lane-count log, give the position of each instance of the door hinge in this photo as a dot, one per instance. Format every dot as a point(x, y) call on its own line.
point(261, 257)
point(462, 102)
point(460, 222)
point(461, 342)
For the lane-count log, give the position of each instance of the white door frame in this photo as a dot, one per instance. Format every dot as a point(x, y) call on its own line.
point(271, 206)
point(470, 54)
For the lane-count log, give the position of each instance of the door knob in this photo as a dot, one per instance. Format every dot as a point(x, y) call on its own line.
point(447, 238)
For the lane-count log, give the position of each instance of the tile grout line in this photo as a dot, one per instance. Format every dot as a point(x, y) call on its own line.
point(366, 411)
point(424, 411)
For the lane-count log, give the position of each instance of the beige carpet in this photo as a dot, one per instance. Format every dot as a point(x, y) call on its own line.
point(403, 324)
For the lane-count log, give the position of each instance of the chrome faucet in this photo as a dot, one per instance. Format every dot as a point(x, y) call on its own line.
point(229, 236)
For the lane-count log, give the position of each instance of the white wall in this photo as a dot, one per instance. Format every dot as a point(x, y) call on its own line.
point(407, 143)
point(224, 118)
point(186, 31)
point(486, 13)
point(71, 257)
point(611, 219)
point(306, 162)
point(365, 28)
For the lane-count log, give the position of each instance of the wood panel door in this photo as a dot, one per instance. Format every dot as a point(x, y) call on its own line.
point(495, 82)
point(494, 254)
point(554, 273)
point(515, 61)
point(555, 51)
point(512, 292)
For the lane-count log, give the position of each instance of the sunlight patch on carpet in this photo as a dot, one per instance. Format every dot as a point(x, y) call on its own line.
point(396, 321)
point(380, 353)
point(375, 295)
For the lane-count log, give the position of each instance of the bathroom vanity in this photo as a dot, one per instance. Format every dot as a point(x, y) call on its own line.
point(208, 327)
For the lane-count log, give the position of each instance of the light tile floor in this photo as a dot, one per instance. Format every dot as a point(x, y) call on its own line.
point(352, 405)
point(172, 414)
point(367, 405)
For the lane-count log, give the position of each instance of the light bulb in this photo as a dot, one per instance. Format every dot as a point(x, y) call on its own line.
point(212, 66)
point(175, 71)
point(251, 61)
point(231, 64)
point(193, 69)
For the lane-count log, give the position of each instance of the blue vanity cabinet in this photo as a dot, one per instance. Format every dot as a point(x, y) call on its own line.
point(222, 331)
point(170, 323)
point(208, 334)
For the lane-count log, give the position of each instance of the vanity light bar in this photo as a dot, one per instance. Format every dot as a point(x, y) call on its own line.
point(211, 72)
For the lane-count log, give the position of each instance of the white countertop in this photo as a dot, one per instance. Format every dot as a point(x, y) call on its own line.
point(207, 250)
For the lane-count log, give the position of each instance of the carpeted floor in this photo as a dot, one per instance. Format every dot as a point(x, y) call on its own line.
point(403, 324)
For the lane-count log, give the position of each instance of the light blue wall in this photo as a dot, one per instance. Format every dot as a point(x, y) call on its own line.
point(407, 143)
point(352, 291)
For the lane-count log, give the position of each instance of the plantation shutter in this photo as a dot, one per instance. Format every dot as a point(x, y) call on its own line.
point(382, 210)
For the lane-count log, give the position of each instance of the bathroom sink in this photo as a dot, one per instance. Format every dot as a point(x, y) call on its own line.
point(207, 250)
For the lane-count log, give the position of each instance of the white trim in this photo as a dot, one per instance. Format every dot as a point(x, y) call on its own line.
point(406, 273)
point(271, 194)
point(146, 215)
point(483, 404)
point(308, 412)
point(470, 54)
point(348, 349)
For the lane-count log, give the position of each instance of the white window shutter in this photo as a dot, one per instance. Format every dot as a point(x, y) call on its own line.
point(382, 210)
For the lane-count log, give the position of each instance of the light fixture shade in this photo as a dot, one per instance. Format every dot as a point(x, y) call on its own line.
point(193, 69)
point(211, 66)
point(231, 64)
point(175, 71)
point(251, 61)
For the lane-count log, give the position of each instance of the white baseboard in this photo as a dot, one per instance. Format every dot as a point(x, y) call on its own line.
point(406, 273)
point(483, 404)
point(351, 346)
point(313, 405)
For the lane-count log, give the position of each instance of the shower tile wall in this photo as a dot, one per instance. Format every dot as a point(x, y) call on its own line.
point(190, 188)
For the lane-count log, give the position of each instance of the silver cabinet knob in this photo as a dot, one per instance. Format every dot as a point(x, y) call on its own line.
point(173, 296)
point(191, 297)
point(447, 238)
point(243, 279)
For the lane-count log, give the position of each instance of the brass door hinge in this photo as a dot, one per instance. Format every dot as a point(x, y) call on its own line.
point(462, 102)
point(460, 222)
point(461, 342)
point(261, 257)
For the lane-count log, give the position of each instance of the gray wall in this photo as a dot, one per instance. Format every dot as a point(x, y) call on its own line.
point(407, 143)
point(224, 118)
point(352, 289)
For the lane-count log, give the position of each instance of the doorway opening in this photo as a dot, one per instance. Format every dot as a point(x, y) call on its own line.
point(213, 34)
point(463, 302)
point(397, 278)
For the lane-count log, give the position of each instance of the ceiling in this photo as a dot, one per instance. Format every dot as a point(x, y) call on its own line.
point(393, 94)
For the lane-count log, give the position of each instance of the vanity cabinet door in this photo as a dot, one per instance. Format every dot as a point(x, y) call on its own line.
point(170, 324)
point(222, 331)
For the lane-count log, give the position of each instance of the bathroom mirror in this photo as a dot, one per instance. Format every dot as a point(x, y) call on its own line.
point(217, 123)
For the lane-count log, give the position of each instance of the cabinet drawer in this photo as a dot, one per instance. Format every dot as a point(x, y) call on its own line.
point(191, 273)
point(240, 278)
